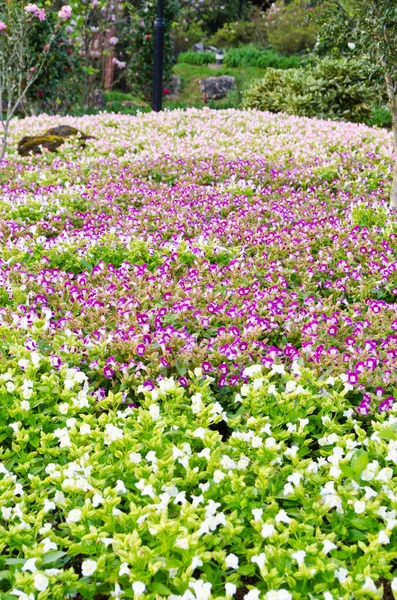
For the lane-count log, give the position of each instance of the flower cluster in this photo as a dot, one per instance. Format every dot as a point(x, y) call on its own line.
point(198, 375)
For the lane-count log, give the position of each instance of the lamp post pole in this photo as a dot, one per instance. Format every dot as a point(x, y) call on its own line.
point(159, 29)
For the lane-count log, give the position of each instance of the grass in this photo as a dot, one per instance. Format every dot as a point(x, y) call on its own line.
point(190, 90)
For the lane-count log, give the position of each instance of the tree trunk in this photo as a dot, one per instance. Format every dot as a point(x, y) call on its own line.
point(393, 107)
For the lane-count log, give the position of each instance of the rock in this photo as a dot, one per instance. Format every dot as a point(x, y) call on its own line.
point(66, 131)
point(51, 140)
point(214, 88)
point(175, 86)
point(99, 99)
point(200, 47)
point(34, 143)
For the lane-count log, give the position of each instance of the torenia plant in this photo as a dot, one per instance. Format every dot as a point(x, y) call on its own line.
point(19, 67)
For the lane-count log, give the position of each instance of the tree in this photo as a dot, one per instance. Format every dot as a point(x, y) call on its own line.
point(19, 66)
point(374, 24)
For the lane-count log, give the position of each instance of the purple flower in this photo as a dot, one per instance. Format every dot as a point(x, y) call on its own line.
point(31, 345)
point(140, 349)
point(108, 372)
point(56, 361)
point(386, 404)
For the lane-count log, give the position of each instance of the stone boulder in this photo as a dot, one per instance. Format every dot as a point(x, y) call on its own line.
point(51, 140)
point(200, 47)
point(215, 88)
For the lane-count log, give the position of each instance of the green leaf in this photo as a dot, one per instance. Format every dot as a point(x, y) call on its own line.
point(52, 557)
point(161, 589)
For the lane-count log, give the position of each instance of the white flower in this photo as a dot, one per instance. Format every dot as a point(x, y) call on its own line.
point(182, 543)
point(10, 386)
point(257, 513)
point(267, 530)
point(369, 584)
point(299, 556)
point(124, 569)
point(231, 561)
point(351, 45)
point(199, 433)
point(259, 559)
point(328, 546)
point(25, 405)
point(49, 505)
point(85, 429)
point(202, 589)
point(341, 575)
point(196, 561)
point(394, 584)
point(385, 474)
point(198, 372)
point(40, 582)
point(252, 370)
point(135, 457)
point(270, 442)
point(218, 476)
point(230, 589)
point(359, 507)
point(290, 386)
point(167, 385)
point(253, 594)
point(88, 567)
point(278, 595)
point(30, 565)
point(74, 516)
point(282, 517)
point(48, 545)
point(63, 408)
point(138, 588)
point(112, 433)
point(197, 403)
point(154, 411)
point(120, 487)
point(383, 538)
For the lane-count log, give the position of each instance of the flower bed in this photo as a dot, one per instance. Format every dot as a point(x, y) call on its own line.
point(197, 369)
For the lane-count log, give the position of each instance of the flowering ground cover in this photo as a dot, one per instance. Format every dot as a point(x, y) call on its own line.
point(198, 345)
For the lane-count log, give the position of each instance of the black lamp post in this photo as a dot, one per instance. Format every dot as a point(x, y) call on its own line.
point(159, 29)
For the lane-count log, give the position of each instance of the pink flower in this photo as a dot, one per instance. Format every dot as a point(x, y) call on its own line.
point(65, 13)
point(3, 26)
point(36, 11)
point(31, 8)
point(113, 41)
point(118, 63)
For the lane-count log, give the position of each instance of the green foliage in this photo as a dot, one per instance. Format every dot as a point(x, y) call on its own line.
point(292, 28)
point(139, 73)
point(232, 35)
point(254, 57)
point(334, 89)
point(196, 58)
point(185, 34)
point(369, 216)
point(381, 117)
point(57, 88)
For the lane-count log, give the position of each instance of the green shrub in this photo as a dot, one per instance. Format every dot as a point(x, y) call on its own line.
point(250, 56)
point(292, 28)
point(333, 89)
point(381, 117)
point(185, 34)
point(196, 58)
point(233, 34)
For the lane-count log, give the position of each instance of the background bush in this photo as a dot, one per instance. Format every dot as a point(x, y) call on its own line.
point(196, 58)
point(292, 28)
point(186, 34)
point(139, 72)
point(250, 56)
point(333, 89)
